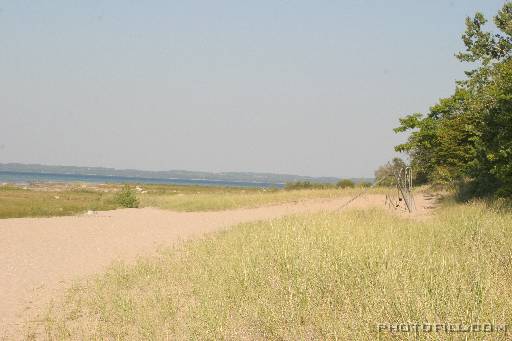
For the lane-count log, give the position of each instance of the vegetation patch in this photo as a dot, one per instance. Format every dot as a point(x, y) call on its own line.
point(16, 202)
point(127, 198)
point(214, 201)
point(466, 139)
point(316, 276)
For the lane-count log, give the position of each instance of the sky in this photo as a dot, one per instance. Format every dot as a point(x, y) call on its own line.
point(301, 87)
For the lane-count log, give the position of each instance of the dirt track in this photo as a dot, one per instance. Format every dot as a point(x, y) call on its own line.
point(40, 256)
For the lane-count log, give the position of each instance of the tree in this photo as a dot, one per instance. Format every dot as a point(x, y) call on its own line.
point(345, 183)
point(441, 143)
point(491, 104)
point(389, 170)
point(467, 137)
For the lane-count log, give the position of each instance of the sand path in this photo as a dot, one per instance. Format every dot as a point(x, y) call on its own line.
point(40, 256)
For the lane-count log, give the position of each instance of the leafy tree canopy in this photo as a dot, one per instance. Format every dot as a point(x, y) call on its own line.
point(467, 138)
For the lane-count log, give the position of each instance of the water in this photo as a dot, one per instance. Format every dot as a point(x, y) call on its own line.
point(26, 178)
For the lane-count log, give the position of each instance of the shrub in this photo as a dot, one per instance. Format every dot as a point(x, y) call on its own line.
point(305, 185)
point(345, 183)
point(386, 173)
point(127, 198)
point(365, 184)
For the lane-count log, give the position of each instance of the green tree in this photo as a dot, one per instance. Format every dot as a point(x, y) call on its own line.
point(467, 137)
point(387, 172)
point(345, 183)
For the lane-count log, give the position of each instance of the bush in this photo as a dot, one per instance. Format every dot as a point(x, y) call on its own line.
point(305, 185)
point(387, 172)
point(345, 183)
point(127, 198)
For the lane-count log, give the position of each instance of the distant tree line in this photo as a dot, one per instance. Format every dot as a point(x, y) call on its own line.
point(466, 139)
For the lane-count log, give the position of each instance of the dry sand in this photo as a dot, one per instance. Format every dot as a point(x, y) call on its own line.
point(39, 257)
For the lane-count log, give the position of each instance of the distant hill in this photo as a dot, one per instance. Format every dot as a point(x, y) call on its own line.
point(170, 174)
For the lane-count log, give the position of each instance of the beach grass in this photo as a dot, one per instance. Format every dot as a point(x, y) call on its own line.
point(311, 276)
point(45, 200)
point(205, 200)
point(16, 202)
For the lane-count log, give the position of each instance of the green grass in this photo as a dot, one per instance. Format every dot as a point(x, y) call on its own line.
point(316, 276)
point(16, 202)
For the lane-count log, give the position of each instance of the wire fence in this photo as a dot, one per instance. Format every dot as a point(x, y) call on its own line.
point(403, 188)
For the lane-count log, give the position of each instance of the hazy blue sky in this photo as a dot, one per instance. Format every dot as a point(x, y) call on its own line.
point(305, 87)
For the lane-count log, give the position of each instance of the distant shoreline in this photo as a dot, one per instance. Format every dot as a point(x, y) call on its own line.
point(100, 174)
point(15, 177)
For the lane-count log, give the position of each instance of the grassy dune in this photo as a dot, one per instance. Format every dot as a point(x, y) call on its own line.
point(68, 199)
point(205, 200)
point(45, 200)
point(317, 276)
point(16, 202)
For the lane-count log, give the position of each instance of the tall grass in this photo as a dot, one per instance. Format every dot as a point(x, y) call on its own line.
point(316, 276)
point(56, 199)
point(39, 201)
point(208, 201)
point(16, 202)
